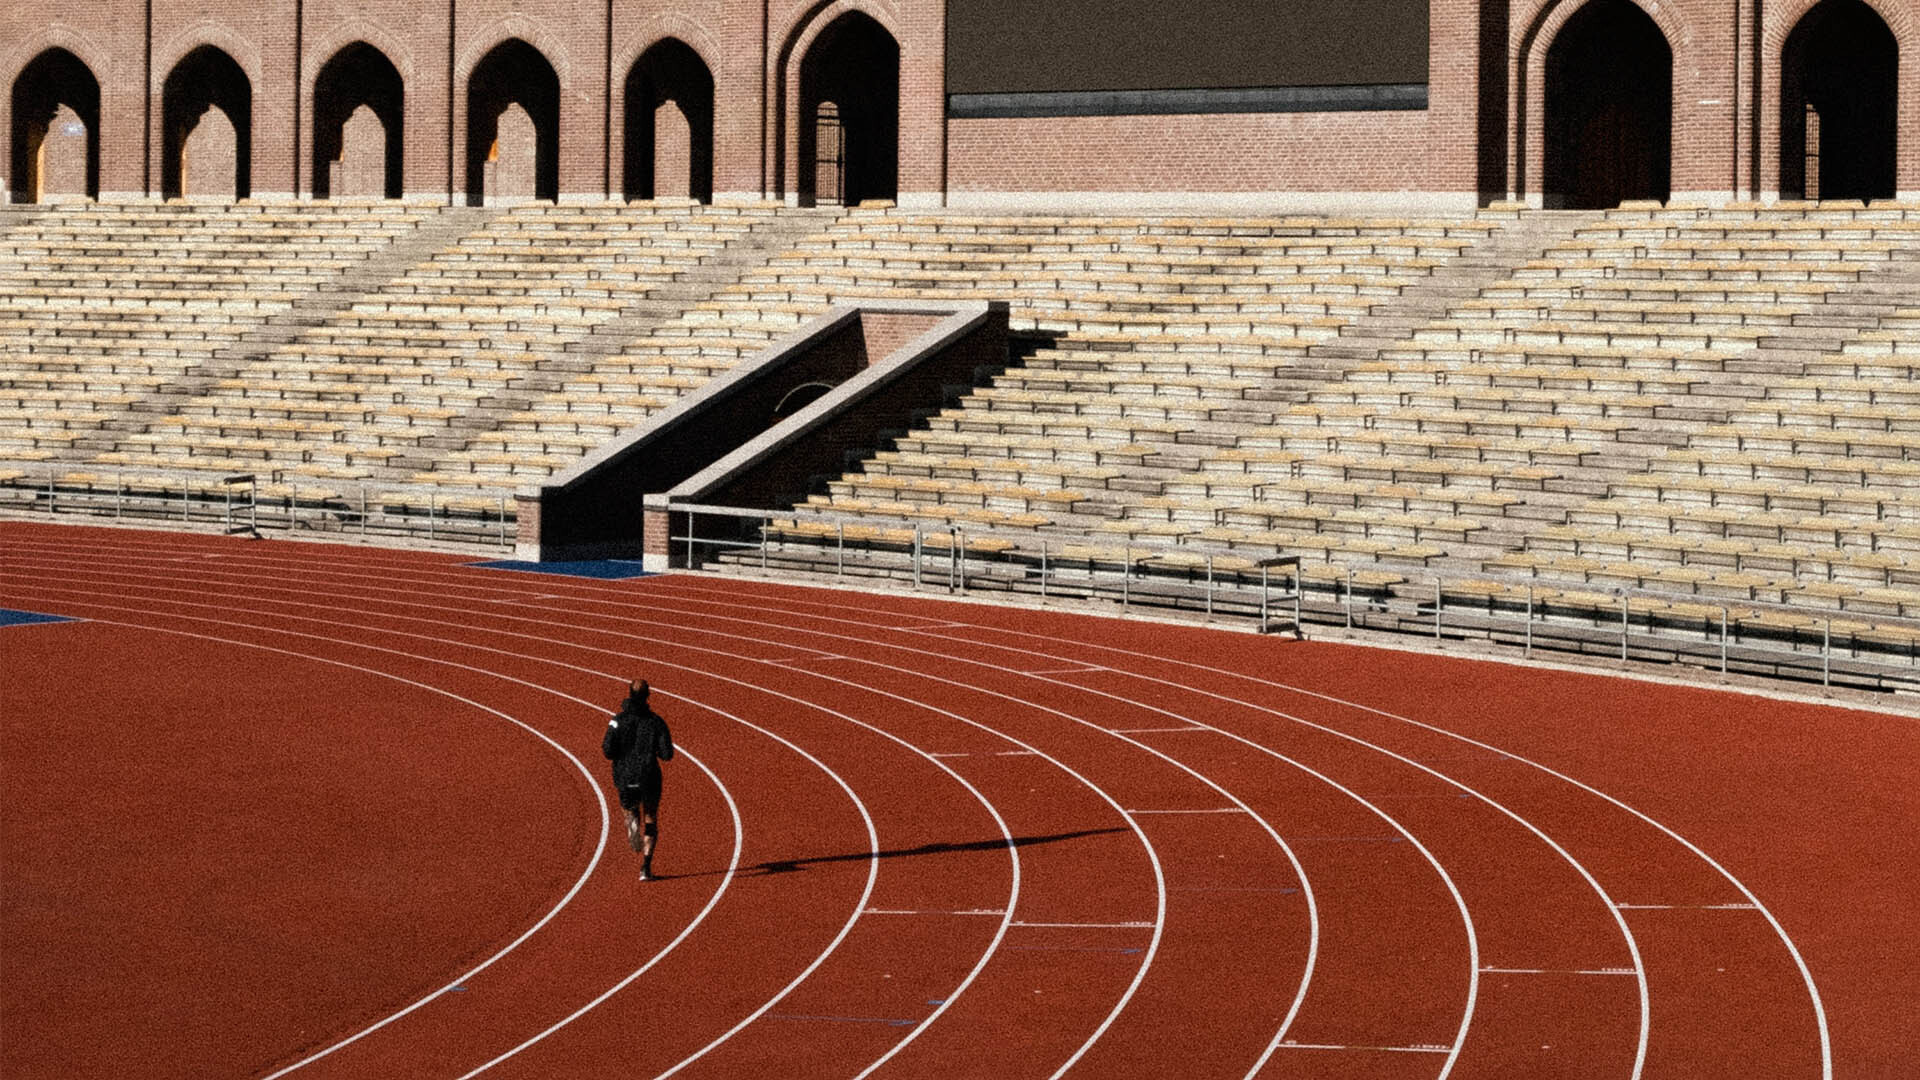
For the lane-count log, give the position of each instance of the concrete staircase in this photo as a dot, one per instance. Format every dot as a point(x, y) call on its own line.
point(665, 304)
point(330, 299)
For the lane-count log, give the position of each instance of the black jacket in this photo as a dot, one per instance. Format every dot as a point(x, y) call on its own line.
point(637, 740)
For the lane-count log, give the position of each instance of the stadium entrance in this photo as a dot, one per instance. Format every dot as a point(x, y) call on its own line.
point(850, 115)
point(207, 128)
point(669, 125)
point(56, 129)
point(1838, 82)
point(358, 117)
point(1609, 105)
point(513, 126)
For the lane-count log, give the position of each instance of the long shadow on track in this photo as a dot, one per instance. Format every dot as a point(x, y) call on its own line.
point(789, 866)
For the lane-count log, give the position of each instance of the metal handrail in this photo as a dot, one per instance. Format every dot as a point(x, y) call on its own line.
point(133, 489)
point(1529, 602)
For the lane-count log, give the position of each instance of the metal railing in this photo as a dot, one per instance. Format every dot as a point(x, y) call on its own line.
point(1722, 634)
point(236, 503)
point(960, 560)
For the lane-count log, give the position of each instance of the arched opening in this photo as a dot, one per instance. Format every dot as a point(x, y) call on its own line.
point(351, 156)
point(1609, 108)
point(854, 66)
point(669, 126)
point(1838, 95)
point(524, 152)
point(56, 129)
point(198, 157)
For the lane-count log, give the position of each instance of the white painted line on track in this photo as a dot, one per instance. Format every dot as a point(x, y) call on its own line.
point(1813, 993)
point(463, 978)
point(1136, 925)
point(1239, 675)
point(1153, 730)
point(1557, 971)
point(1160, 884)
point(1416, 1049)
point(1205, 810)
point(1006, 834)
point(871, 834)
point(1632, 945)
point(1686, 908)
point(895, 911)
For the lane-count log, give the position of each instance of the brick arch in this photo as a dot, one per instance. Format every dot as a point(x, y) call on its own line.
point(500, 31)
point(655, 29)
point(1780, 21)
point(1779, 24)
point(206, 32)
point(320, 51)
point(637, 144)
point(784, 77)
point(1527, 77)
point(57, 36)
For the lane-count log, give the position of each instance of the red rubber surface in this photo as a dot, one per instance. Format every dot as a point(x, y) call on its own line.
point(274, 806)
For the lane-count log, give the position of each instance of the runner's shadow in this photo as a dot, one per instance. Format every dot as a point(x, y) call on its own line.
point(794, 866)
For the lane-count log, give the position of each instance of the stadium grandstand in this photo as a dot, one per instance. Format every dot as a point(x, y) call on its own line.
point(1579, 325)
point(1115, 539)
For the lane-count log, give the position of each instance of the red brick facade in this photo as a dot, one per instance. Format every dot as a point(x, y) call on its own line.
point(1482, 133)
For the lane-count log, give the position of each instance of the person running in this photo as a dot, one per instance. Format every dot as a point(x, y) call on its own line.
point(637, 741)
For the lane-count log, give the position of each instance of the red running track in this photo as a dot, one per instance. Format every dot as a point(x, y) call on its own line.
point(287, 809)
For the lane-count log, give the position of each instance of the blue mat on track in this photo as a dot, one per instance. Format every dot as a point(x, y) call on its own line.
point(604, 569)
point(10, 617)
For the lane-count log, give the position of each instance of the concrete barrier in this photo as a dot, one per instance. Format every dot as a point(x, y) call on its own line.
point(881, 365)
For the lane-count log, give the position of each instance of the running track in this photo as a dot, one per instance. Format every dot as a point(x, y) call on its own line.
point(283, 809)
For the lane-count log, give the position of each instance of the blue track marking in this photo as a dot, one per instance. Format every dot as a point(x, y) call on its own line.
point(10, 617)
point(604, 569)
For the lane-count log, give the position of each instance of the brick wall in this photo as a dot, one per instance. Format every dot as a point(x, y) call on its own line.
point(1726, 80)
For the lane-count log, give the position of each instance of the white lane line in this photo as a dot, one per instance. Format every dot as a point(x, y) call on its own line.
point(1806, 975)
point(1135, 925)
point(1153, 730)
point(1153, 857)
point(897, 911)
point(1626, 933)
point(463, 978)
point(872, 836)
point(1207, 810)
point(1200, 665)
point(1557, 971)
point(1160, 885)
point(1686, 908)
point(1418, 1048)
point(1005, 832)
point(733, 866)
point(1068, 671)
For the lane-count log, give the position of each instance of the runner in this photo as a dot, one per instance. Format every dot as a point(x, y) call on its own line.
point(637, 741)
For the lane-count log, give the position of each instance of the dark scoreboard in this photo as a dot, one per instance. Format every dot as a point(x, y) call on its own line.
point(1004, 47)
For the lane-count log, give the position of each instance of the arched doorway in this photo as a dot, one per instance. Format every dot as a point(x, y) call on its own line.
point(854, 66)
point(1609, 109)
point(669, 125)
point(56, 129)
point(359, 83)
point(514, 73)
point(1838, 96)
point(198, 157)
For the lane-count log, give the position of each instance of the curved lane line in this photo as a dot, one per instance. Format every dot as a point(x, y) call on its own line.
point(1160, 885)
point(1005, 832)
point(600, 799)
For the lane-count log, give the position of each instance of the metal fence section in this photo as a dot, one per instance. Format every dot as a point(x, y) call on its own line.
point(1723, 634)
point(1215, 582)
point(246, 502)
